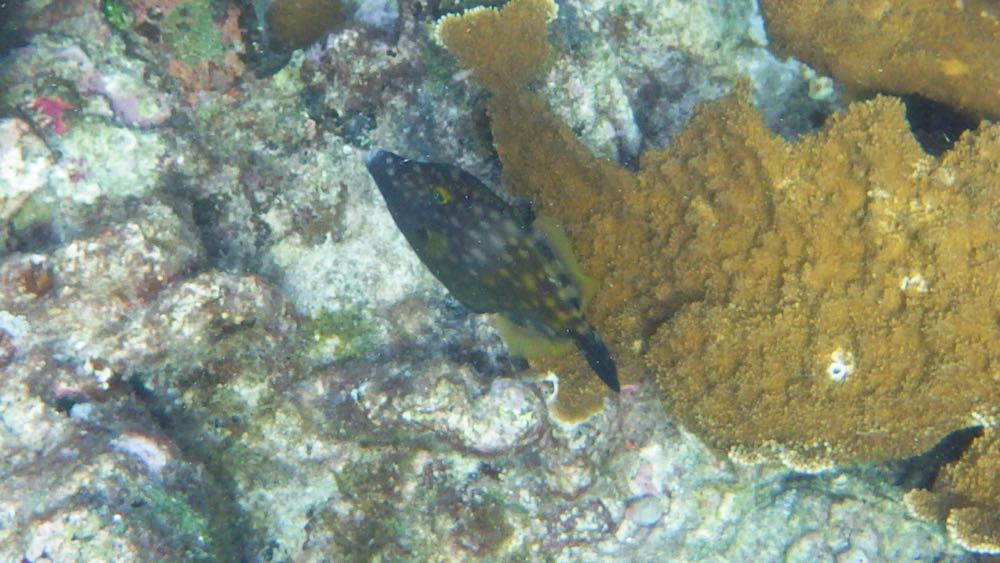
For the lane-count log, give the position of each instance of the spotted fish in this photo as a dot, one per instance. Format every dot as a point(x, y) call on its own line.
point(486, 251)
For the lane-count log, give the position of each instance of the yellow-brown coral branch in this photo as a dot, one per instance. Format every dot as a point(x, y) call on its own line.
point(944, 51)
point(515, 34)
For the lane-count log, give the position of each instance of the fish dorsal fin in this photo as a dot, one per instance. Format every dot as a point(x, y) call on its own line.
point(564, 251)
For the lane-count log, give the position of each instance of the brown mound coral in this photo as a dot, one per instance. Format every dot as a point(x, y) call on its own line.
point(297, 23)
point(828, 301)
point(946, 51)
point(849, 278)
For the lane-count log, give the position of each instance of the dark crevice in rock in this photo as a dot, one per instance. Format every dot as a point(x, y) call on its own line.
point(921, 471)
point(935, 125)
point(233, 537)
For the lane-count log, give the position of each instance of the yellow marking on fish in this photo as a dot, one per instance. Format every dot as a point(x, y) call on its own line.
point(442, 194)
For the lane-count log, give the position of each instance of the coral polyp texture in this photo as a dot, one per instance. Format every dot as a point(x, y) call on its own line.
point(810, 334)
point(483, 24)
point(821, 302)
point(944, 51)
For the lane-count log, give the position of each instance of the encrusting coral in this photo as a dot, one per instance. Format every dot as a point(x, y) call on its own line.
point(823, 302)
point(944, 51)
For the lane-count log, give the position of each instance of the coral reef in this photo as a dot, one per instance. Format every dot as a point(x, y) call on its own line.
point(55, 76)
point(946, 53)
point(796, 301)
point(216, 346)
point(80, 459)
point(849, 328)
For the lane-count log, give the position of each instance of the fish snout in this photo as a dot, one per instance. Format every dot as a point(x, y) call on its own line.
point(374, 157)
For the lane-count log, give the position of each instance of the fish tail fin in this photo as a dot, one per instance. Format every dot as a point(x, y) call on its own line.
point(598, 356)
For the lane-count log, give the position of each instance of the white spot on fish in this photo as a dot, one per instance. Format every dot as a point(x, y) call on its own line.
point(511, 228)
point(496, 240)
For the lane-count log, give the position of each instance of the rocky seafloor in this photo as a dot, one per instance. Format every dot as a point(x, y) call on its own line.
point(216, 345)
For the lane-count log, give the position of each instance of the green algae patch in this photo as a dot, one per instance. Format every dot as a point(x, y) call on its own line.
point(380, 532)
point(822, 302)
point(116, 13)
point(483, 527)
point(349, 333)
point(190, 33)
point(171, 514)
point(33, 211)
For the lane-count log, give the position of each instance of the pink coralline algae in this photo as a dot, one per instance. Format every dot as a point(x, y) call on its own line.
point(53, 109)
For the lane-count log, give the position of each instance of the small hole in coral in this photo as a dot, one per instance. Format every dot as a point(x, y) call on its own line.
point(837, 371)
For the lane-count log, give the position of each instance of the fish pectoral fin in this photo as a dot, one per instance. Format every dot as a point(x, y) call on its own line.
point(599, 357)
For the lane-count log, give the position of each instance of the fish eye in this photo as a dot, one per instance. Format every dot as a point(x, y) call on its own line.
point(441, 195)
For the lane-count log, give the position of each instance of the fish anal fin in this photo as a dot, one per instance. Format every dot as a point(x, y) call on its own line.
point(530, 344)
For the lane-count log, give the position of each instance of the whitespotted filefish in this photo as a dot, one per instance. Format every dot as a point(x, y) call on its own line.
point(487, 252)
